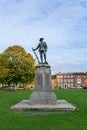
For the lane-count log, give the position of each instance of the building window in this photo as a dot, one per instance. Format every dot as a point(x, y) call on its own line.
point(78, 81)
point(65, 80)
point(64, 76)
point(68, 76)
point(61, 85)
point(71, 76)
point(58, 80)
point(58, 76)
point(61, 76)
point(71, 80)
point(68, 85)
point(68, 80)
point(61, 80)
point(72, 85)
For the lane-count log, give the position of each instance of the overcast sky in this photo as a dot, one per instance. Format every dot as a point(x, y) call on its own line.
point(62, 24)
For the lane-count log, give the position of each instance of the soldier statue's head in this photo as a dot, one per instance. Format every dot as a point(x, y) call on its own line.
point(41, 39)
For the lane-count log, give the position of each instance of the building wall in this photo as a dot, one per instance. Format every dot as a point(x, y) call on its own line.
point(70, 80)
point(54, 83)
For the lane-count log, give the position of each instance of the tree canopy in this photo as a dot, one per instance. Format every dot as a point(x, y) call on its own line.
point(16, 66)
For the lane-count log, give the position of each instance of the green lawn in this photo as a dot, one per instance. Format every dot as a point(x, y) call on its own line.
point(12, 120)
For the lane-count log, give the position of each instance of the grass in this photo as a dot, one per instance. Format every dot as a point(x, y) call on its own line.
point(75, 120)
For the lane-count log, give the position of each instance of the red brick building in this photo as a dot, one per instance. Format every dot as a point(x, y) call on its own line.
point(70, 80)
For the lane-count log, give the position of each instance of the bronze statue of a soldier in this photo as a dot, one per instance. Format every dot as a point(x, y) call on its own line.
point(42, 47)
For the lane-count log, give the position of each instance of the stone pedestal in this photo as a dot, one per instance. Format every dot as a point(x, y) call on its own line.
point(43, 93)
point(43, 97)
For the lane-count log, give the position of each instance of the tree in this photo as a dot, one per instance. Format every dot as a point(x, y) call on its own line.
point(3, 70)
point(18, 65)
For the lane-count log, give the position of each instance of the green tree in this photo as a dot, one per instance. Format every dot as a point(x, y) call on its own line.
point(3, 70)
point(17, 66)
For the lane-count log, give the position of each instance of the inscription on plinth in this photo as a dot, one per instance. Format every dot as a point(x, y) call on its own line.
point(43, 93)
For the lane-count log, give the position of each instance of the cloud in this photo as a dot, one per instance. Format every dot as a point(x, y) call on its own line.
point(62, 23)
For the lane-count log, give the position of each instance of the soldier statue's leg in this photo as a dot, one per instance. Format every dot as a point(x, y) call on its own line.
point(45, 57)
point(41, 57)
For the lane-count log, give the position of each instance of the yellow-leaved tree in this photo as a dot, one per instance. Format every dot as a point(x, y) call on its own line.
point(16, 66)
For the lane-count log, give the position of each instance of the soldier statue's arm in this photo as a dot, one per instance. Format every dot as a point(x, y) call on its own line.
point(36, 48)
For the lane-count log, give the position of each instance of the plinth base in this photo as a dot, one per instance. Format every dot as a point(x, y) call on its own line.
point(61, 105)
point(43, 98)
